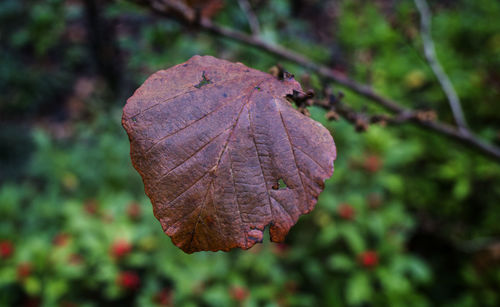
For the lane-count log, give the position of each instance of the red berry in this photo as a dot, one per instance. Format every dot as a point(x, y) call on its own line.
point(372, 163)
point(134, 211)
point(164, 297)
point(346, 211)
point(75, 259)
point(91, 206)
point(239, 293)
point(6, 249)
point(368, 259)
point(120, 248)
point(128, 280)
point(60, 239)
point(23, 270)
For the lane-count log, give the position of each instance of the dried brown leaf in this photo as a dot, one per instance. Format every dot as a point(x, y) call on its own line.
point(222, 153)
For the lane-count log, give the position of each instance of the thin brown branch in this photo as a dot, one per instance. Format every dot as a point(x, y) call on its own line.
point(253, 22)
point(451, 132)
point(461, 136)
point(360, 120)
point(336, 108)
point(437, 68)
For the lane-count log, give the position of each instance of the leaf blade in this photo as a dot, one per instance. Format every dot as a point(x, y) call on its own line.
point(211, 157)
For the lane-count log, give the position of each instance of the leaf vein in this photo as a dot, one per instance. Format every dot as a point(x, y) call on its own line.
point(191, 123)
point(220, 158)
point(292, 147)
point(305, 153)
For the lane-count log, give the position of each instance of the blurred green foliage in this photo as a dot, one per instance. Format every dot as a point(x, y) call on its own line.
point(408, 218)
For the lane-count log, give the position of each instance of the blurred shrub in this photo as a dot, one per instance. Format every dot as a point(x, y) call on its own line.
point(404, 221)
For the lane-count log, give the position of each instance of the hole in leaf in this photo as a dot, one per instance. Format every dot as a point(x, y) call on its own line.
point(190, 233)
point(280, 185)
point(203, 81)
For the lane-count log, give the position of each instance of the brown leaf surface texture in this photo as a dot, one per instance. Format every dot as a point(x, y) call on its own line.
point(222, 153)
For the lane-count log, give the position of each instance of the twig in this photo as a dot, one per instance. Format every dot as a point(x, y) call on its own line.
point(336, 107)
point(447, 130)
point(252, 19)
point(363, 90)
point(480, 244)
point(333, 103)
point(437, 68)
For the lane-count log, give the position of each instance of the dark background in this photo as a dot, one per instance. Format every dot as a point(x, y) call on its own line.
point(409, 218)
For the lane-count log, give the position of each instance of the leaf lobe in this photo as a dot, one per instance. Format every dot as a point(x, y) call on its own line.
point(211, 157)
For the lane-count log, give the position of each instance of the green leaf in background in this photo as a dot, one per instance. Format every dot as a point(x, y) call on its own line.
point(358, 289)
point(341, 262)
point(424, 207)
